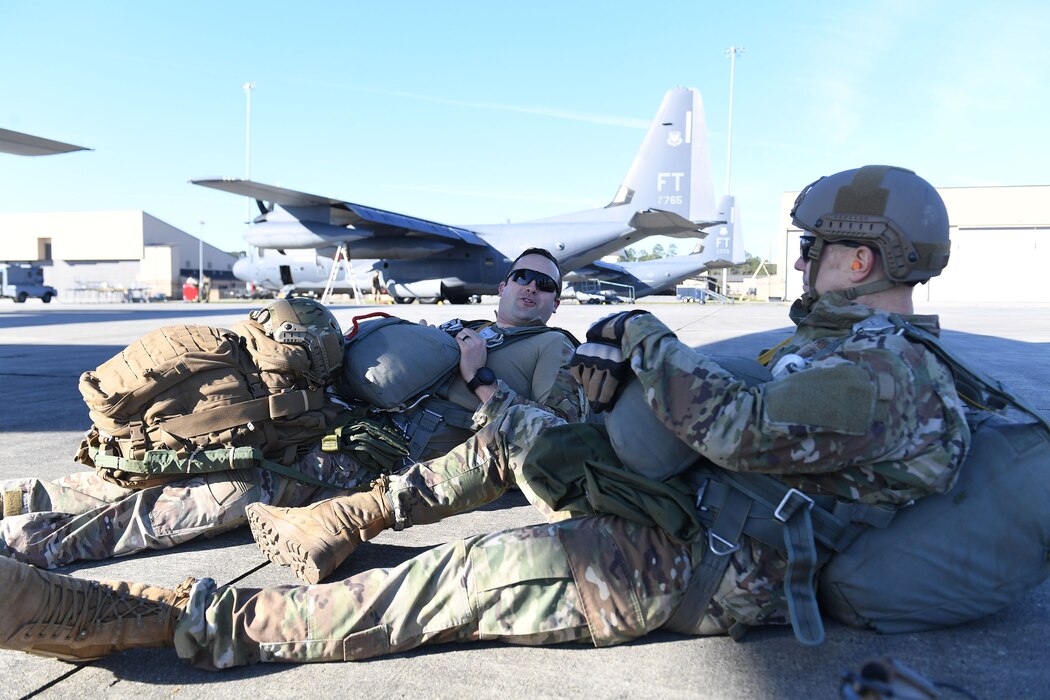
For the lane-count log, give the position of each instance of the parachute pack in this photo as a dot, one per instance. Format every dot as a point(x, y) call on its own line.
point(405, 370)
point(188, 399)
point(944, 560)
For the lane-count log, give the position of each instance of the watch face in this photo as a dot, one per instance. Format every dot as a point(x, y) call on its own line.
point(485, 376)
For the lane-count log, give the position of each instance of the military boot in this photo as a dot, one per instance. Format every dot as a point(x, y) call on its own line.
point(78, 619)
point(316, 539)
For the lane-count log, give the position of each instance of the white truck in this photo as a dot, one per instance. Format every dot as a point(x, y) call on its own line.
point(19, 281)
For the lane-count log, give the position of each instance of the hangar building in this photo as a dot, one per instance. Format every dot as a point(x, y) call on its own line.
point(112, 255)
point(1000, 248)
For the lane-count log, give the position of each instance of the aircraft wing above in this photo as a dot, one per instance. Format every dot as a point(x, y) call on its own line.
point(657, 222)
point(26, 145)
point(342, 213)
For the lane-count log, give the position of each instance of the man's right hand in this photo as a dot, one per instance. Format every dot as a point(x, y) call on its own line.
point(602, 371)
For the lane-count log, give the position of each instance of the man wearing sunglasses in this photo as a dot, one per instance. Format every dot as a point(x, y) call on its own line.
point(853, 411)
point(528, 297)
point(50, 525)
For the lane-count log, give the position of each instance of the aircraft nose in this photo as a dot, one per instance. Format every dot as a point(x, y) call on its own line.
point(244, 270)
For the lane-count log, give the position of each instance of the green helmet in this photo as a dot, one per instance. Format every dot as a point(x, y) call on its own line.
point(302, 321)
point(887, 208)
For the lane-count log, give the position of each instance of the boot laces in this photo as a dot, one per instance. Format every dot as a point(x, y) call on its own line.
point(75, 608)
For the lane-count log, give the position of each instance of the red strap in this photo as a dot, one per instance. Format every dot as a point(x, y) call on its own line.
point(374, 314)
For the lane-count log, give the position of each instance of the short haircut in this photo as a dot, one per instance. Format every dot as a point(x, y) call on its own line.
point(543, 253)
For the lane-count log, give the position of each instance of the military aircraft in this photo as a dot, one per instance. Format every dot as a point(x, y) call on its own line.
point(647, 277)
point(667, 191)
point(27, 145)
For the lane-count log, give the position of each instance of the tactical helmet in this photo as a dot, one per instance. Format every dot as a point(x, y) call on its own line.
point(887, 208)
point(302, 321)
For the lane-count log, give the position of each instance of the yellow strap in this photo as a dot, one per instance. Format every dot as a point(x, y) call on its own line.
point(767, 357)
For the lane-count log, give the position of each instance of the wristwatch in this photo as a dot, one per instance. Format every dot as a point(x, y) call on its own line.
point(484, 377)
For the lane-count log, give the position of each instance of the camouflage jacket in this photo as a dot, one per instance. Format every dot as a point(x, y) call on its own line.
point(853, 411)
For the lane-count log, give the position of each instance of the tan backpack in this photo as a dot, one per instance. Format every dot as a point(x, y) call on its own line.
point(188, 399)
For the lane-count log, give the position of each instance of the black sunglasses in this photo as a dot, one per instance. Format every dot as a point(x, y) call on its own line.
point(544, 283)
point(805, 243)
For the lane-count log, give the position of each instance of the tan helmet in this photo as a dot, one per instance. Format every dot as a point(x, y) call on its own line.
point(888, 208)
point(302, 321)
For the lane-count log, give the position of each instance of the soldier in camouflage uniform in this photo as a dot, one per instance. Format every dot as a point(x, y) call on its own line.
point(852, 411)
point(81, 516)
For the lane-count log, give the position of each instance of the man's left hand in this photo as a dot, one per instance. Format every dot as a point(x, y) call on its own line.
point(602, 371)
point(610, 329)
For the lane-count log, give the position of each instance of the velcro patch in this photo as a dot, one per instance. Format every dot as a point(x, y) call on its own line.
point(840, 398)
point(12, 503)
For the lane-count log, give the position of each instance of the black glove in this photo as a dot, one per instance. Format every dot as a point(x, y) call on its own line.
point(602, 371)
point(609, 330)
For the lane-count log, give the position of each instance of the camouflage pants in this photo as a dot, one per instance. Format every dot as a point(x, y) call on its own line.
point(477, 472)
point(600, 579)
point(82, 516)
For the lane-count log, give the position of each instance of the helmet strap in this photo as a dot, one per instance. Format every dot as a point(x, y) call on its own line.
point(869, 288)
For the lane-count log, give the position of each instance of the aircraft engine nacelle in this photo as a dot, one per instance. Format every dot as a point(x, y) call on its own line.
point(424, 289)
point(362, 242)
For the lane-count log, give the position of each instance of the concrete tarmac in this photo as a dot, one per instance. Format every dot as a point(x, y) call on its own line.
point(43, 350)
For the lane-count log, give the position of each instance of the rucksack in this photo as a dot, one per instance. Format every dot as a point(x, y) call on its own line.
point(182, 399)
point(955, 557)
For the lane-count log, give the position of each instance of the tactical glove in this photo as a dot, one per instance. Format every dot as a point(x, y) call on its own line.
point(602, 371)
point(609, 330)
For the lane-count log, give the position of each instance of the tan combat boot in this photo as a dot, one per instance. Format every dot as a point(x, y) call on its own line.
point(78, 619)
point(316, 539)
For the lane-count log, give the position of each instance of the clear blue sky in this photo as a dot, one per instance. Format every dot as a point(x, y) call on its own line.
point(478, 112)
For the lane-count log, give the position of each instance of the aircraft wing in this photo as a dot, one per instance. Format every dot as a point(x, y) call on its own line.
point(314, 208)
point(26, 145)
point(597, 270)
point(267, 193)
point(657, 222)
point(644, 276)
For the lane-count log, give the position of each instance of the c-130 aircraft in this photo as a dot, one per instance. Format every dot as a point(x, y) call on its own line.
point(667, 191)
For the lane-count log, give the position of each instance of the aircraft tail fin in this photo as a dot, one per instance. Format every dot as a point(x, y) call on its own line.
point(727, 244)
point(672, 170)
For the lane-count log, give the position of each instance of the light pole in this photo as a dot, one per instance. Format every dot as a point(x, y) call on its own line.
point(731, 54)
point(248, 87)
point(200, 261)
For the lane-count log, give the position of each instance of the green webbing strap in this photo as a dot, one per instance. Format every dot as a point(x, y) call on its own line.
point(702, 586)
point(761, 507)
point(835, 524)
point(168, 463)
point(427, 418)
point(801, 572)
point(993, 387)
point(420, 429)
point(291, 473)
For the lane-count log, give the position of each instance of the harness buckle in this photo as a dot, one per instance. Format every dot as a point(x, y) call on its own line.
point(791, 502)
point(727, 546)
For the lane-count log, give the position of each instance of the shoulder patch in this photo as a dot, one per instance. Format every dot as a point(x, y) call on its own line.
point(841, 398)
